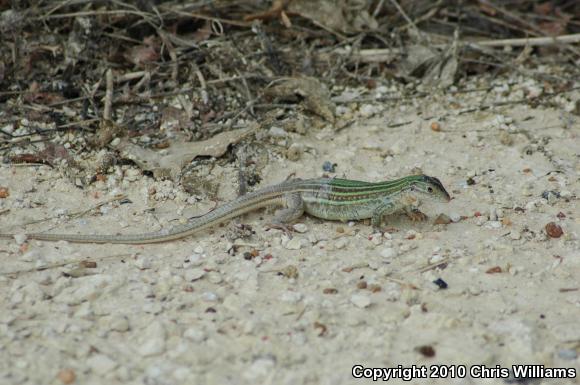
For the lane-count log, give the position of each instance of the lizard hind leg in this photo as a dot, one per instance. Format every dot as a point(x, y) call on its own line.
point(293, 210)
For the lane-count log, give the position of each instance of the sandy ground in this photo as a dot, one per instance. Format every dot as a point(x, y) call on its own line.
point(305, 311)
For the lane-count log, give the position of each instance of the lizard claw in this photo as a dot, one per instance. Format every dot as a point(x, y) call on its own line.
point(416, 215)
point(280, 226)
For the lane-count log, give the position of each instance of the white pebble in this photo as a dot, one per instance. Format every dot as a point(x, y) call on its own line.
point(143, 263)
point(388, 253)
point(119, 323)
point(455, 217)
point(277, 132)
point(300, 228)
point(154, 340)
point(195, 259)
point(214, 277)
point(515, 235)
point(194, 274)
point(376, 239)
point(20, 238)
point(435, 258)
point(493, 225)
point(340, 243)
point(360, 300)
point(195, 335)
point(101, 364)
point(209, 296)
point(293, 244)
point(291, 297)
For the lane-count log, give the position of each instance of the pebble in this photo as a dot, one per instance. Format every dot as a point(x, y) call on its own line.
point(101, 364)
point(143, 263)
point(293, 244)
point(442, 219)
point(119, 324)
point(376, 239)
point(300, 227)
point(261, 369)
point(340, 243)
point(195, 335)
point(294, 152)
point(214, 277)
point(277, 132)
point(291, 297)
point(360, 300)
point(132, 174)
point(567, 354)
point(209, 296)
point(493, 225)
point(435, 258)
point(20, 238)
point(388, 253)
point(194, 260)
point(194, 274)
point(515, 235)
point(154, 340)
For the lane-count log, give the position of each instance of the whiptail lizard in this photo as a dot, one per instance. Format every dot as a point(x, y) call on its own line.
point(333, 199)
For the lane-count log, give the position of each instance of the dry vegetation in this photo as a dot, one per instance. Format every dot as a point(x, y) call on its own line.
point(76, 74)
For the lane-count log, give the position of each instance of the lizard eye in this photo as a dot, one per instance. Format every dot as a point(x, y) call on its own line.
point(430, 189)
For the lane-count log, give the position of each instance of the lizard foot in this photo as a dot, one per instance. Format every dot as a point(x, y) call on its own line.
point(280, 226)
point(416, 215)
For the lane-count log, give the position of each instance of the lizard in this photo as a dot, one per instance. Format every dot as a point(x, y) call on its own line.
point(325, 198)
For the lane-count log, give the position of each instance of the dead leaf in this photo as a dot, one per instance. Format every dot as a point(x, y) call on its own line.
point(313, 94)
point(180, 153)
point(336, 15)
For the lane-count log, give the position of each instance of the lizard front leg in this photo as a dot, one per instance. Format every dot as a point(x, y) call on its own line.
point(414, 214)
point(385, 208)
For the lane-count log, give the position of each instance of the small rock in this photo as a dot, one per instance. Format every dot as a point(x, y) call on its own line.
point(340, 243)
point(209, 296)
point(194, 274)
point(294, 152)
point(515, 235)
point(101, 364)
point(435, 258)
point(567, 354)
point(119, 324)
point(66, 376)
point(143, 263)
point(328, 166)
point(291, 297)
point(277, 132)
point(195, 259)
point(300, 227)
point(214, 277)
point(442, 219)
point(360, 300)
point(554, 230)
point(388, 253)
point(493, 225)
point(20, 238)
point(376, 239)
point(293, 244)
point(195, 335)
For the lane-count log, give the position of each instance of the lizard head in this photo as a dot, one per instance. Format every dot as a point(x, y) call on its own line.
point(429, 186)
